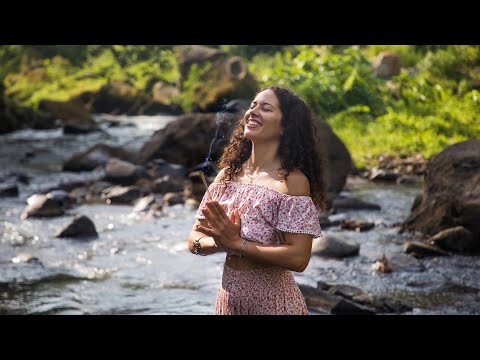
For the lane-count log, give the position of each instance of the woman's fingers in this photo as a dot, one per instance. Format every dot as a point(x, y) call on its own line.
point(237, 219)
point(217, 210)
point(218, 220)
point(213, 210)
point(211, 219)
point(210, 232)
point(221, 210)
point(204, 230)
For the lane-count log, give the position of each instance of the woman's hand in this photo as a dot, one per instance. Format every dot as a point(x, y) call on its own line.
point(225, 231)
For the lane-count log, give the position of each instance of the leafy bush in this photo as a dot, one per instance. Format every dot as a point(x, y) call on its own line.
point(409, 56)
point(330, 82)
point(249, 51)
point(57, 78)
point(451, 66)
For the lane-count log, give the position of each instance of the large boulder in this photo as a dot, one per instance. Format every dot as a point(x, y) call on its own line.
point(336, 155)
point(14, 116)
point(184, 141)
point(96, 155)
point(73, 114)
point(189, 139)
point(117, 97)
point(451, 193)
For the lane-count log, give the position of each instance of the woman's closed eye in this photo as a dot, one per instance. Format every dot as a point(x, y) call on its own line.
point(263, 109)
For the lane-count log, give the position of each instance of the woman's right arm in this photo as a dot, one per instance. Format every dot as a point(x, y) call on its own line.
point(207, 244)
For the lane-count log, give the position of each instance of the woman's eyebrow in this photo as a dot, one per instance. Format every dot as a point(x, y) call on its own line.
point(263, 103)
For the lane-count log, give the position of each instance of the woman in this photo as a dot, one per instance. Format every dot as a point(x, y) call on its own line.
point(261, 209)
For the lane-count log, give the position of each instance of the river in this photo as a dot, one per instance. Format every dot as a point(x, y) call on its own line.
point(140, 265)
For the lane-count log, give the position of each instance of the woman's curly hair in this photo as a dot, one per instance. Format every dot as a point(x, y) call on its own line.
point(298, 144)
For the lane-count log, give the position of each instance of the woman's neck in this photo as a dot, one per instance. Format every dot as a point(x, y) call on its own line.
point(262, 157)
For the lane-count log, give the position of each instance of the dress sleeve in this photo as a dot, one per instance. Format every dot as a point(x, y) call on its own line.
point(298, 215)
point(213, 192)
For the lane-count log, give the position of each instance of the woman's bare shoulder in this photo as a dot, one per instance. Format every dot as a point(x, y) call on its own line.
point(221, 174)
point(297, 184)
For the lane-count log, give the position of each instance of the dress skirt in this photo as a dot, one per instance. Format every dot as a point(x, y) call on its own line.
point(264, 291)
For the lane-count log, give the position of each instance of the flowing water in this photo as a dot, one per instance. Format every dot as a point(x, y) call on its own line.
point(140, 265)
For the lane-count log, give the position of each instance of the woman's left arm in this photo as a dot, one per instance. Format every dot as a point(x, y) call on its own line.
point(293, 255)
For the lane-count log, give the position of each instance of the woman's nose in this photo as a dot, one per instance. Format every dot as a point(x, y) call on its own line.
point(254, 110)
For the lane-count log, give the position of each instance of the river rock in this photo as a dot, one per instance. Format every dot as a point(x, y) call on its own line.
point(80, 227)
point(40, 205)
point(331, 246)
point(451, 193)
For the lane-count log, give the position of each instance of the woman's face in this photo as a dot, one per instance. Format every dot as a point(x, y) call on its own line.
point(262, 121)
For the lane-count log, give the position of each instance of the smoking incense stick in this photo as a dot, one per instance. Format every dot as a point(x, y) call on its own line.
point(203, 180)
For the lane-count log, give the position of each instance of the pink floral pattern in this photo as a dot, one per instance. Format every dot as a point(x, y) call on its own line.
point(264, 212)
point(265, 291)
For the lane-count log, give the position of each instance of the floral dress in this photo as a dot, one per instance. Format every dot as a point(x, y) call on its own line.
point(265, 214)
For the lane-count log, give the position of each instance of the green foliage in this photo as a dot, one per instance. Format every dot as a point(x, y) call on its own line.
point(76, 54)
point(430, 105)
point(164, 68)
point(192, 87)
point(451, 67)
point(57, 78)
point(426, 125)
point(408, 54)
point(419, 111)
point(249, 51)
point(330, 82)
point(10, 59)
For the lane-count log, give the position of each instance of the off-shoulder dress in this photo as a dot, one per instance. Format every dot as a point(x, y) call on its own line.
point(265, 214)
